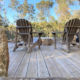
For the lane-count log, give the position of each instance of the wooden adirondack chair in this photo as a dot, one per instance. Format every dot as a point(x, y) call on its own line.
point(70, 30)
point(23, 28)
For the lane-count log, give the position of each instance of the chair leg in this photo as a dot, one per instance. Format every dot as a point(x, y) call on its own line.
point(16, 46)
point(79, 38)
point(39, 42)
point(55, 40)
point(68, 42)
point(68, 47)
point(29, 38)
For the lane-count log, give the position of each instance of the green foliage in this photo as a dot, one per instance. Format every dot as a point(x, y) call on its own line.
point(47, 27)
point(25, 8)
point(62, 10)
point(44, 9)
point(43, 20)
point(44, 4)
point(14, 4)
point(31, 12)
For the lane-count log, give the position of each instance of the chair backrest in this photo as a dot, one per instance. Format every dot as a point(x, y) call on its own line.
point(24, 26)
point(71, 28)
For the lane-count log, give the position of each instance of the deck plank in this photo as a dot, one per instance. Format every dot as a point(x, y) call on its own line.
point(42, 69)
point(47, 62)
point(32, 68)
point(61, 70)
point(74, 61)
point(50, 64)
point(22, 69)
point(70, 66)
point(16, 62)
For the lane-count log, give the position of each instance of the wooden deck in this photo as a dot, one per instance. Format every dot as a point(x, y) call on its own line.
point(45, 63)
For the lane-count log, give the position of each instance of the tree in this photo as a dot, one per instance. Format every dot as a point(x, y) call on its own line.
point(1, 22)
point(1, 5)
point(52, 19)
point(44, 7)
point(14, 4)
point(76, 14)
point(25, 8)
point(22, 9)
point(63, 9)
point(31, 12)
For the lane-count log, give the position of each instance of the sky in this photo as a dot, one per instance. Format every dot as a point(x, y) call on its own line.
point(11, 14)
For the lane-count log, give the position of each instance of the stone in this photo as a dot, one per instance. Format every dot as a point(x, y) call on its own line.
point(47, 42)
point(4, 54)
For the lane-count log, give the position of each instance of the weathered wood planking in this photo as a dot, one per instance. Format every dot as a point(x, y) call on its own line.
point(13, 57)
point(42, 69)
point(74, 64)
point(47, 62)
point(50, 64)
point(39, 79)
point(32, 68)
point(16, 62)
point(22, 69)
point(62, 71)
point(70, 66)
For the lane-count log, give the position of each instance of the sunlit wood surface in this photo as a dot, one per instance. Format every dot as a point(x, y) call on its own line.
point(45, 63)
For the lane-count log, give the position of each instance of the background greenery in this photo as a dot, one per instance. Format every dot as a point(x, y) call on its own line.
point(41, 20)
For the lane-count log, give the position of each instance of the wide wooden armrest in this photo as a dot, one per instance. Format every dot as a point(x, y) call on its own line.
point(20, 27)
point(23, 33)
point(62, 33)
point(31, 33)
point(54, 33)
point(37, 32)
point(27, 33)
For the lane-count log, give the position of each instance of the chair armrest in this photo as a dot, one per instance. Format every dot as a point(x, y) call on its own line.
point(54, 33)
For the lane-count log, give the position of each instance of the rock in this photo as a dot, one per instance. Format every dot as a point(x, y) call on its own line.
point(47, 42)
point(4, 54)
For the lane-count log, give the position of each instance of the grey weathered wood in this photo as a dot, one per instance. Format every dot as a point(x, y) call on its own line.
point(23, 67)
point(16, 62)
point(42, 69)
point(50, 64)
point(47, 62)
point(32, 68)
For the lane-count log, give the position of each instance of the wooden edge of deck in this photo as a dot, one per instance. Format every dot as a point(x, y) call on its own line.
point(49, 78)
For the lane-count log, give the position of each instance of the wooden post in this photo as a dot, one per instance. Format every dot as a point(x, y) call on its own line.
point(54, 34)
point(39, 40)
point(55, 39)
point(29, 38)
